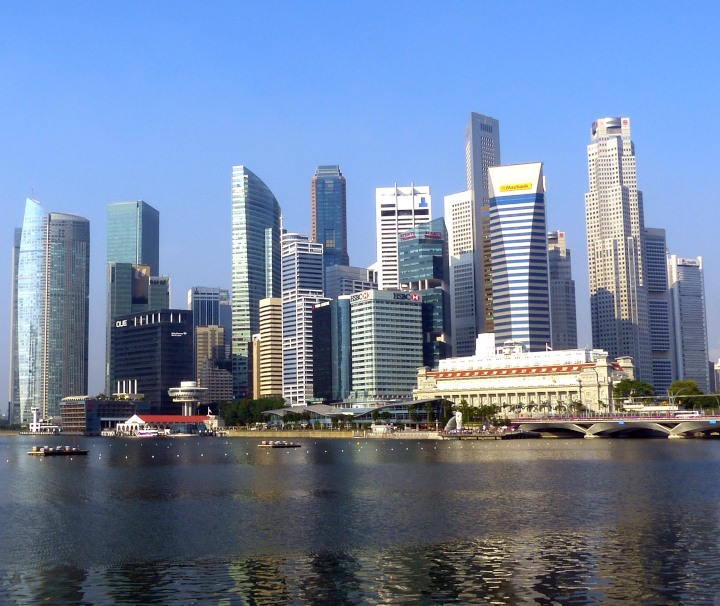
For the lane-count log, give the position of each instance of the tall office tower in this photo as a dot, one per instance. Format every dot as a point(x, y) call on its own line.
point(153, 351)
point(614, 217)
point(212, 365)
point(13, 413)
point(345, 280)
point(268, 380)
point(423, 256)
point(656, 274)
point(133, 252)
point(521, 292)
point(687, 293)
point(397, 209)
point(329, 215)
point(211, 307)
point(482, 150)
point(255, 265)
point(386, 332)
point(332, 350)
point(302, 280)
point(53, 275)
point(562, 293)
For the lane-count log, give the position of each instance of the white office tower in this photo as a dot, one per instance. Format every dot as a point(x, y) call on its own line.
point(302, 290)
point(460, 222)
point(398, 209)
point(562, 292)
point(687, 294)
point(518, 233)
point(656, 274)
point(614, 219)
point(482, 150)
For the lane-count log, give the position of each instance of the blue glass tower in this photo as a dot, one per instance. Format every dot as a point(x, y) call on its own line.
point(518, 233)
point(255, 265)
point(329, 215)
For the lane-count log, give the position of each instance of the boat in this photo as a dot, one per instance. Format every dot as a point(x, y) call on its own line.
point(57, 451)
point(278, 444)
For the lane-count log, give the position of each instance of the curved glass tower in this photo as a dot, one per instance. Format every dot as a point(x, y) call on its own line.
point(255, 265)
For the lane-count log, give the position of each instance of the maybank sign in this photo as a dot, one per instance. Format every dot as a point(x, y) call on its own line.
point(516, 187)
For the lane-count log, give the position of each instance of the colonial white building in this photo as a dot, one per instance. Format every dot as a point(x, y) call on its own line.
point(525, 383)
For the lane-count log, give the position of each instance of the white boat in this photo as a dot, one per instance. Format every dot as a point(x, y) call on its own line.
point(147, 433)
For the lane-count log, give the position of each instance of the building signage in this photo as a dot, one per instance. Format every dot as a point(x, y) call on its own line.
point(689, 262)
point(406, 296)
point(516, 187)
point(120, 323)
point(408, 235)
point(178, 334)
point(433, 235)
point(360, 296)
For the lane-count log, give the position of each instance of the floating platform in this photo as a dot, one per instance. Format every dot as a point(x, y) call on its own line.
point(57, 451)
point(278, 444)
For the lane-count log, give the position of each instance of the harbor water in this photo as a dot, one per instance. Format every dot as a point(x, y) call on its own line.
point(395, 521)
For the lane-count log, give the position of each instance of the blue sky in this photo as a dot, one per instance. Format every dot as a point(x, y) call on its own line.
point(109, 101)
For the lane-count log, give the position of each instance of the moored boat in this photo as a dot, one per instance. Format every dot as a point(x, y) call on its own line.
point(278, 444)
point(57, 451)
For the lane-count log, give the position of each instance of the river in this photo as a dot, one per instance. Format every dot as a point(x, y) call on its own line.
point(221, 521)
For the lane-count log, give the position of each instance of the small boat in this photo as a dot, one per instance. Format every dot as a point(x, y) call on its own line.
point(278, 444)
point(57, 451)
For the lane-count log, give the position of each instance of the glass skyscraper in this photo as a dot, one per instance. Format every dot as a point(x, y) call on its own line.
point(329, 214)
point(562, 292)
point(133, 253)
point(255, 265)
point(518, 230)
point(53, 275)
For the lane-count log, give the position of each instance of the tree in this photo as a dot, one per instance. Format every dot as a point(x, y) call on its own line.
point(628, 388)
point(681, 392)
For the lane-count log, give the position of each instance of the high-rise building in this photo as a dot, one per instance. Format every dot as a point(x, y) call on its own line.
point(346, 280)
point(153, 350)
point(518, 228)
point(133, 259)
point(562, 293)
point(268, 381)
point(53, 275)
point(255, 265)
point(614, 218)
point(386, 332)
point(687, 293)
point(482, 150)
point(332, 350)
point(423, 255)
point(329, 214)
point(397, 209)
point(302, 280)
point(13, 413)
point(659, 320)
point(211, 307)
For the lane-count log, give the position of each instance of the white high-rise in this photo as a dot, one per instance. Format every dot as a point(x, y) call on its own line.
point(614, 219)
point(397, 210)
point(687, 295)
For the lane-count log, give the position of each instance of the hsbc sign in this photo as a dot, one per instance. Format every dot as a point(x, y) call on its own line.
point(406, 296)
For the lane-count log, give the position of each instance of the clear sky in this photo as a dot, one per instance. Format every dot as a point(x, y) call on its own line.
point(108, 101)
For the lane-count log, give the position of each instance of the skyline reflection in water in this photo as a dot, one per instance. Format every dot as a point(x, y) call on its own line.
point(219, 521)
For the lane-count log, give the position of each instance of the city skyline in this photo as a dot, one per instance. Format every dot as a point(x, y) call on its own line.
point(90, 139)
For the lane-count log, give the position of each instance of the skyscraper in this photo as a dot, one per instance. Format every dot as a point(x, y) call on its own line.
point(255, 265)
point(302, 278)
point(687, 292)
point(53, 276)
point(521, 296)
point(562, 293)
point(397, 209)
point(482, 150)
point(614, 217)
point(133, 253)
point(14, 382)
point(329, 215)
point(659, 318)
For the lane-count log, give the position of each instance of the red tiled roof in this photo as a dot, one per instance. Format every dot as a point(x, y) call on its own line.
point(173, 418)
point(494, 372)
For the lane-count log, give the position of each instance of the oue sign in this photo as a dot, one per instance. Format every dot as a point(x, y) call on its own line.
point(120, 323)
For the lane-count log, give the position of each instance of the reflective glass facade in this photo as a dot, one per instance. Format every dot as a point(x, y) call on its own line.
point(133, 234)
point(329, 214)
point(255, 265)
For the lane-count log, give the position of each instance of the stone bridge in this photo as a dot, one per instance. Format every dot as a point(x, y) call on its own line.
point(606, 427)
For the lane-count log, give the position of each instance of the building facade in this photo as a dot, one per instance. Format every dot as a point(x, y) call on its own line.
point(346, 280)
point(615, 222)
point(386, 333)
point(153, 350)
point(13, 413)
point(687, 293)
point(53, 276)
point(329, 214)
point(562, 293)
point(269, 381)
point(482, 150)
point(255, 265)
point(397, 210)
point(518, 229)
point(332, 350)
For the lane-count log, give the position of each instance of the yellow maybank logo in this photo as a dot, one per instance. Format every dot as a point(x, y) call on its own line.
point(516, 187)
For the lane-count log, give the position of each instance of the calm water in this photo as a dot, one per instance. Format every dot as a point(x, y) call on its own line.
point(220, 521)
